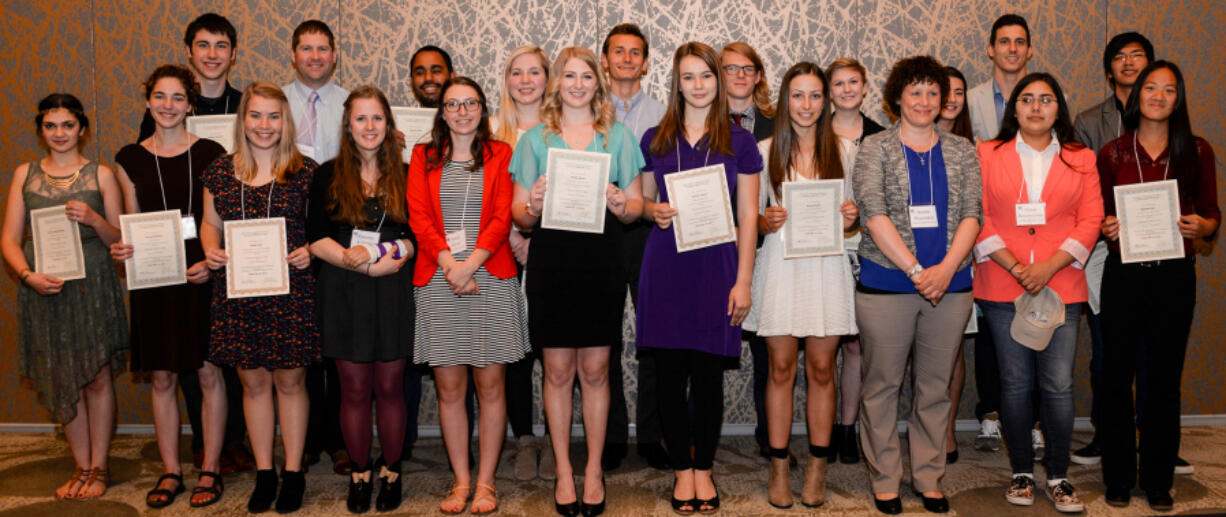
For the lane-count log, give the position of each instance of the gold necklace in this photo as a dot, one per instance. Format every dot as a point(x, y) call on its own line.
point(64, 182)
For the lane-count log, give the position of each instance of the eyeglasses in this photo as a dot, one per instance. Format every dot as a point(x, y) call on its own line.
point(453, 106)
point(733, 69)
point(1132, 56)
point(1031, 99)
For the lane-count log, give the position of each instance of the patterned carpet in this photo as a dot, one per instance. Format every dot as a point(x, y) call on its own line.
point(32, 466)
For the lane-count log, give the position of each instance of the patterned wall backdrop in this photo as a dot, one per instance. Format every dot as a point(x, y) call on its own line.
point(101, 50)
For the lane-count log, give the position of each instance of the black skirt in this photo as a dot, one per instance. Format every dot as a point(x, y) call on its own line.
point(364, 319)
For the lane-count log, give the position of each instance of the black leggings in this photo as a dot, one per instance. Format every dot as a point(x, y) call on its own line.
point(705, 375)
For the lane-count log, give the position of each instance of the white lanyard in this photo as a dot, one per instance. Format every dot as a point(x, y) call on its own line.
point(931, 192)
point(1137, 157)
point(464, 210)
point(243, 201)
point(162, 187)
point(704, 160)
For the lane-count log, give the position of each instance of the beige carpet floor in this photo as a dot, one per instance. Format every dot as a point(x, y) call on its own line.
point(32, 466)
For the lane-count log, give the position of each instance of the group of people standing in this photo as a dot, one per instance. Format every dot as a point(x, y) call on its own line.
point(926, 212)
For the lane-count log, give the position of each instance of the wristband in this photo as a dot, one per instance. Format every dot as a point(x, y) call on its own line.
point(373, 252)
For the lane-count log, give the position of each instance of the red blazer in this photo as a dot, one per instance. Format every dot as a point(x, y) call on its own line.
point(426, 215)
point(1074, 212)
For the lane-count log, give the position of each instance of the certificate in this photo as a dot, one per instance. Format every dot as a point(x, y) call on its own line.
point(704, 210)
point(218, 128)
point(158, 254)
point(814, 227)
point(416, 124)
point(1149, 216)
point(257, 266)
point(575, 184)
point(57, 244)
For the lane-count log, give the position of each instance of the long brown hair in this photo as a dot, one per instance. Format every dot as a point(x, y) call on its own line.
point(508, 117)
point(785, 144)
point(603, 114)
point(762, 90)
point(438, 149)
point(962, 123)
point(286, 160)
point(719, 125)
point(346, 193)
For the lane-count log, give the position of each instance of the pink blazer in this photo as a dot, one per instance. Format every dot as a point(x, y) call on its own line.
point(1074, 212)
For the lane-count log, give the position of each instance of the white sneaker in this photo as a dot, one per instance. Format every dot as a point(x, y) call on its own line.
point(989, 435)
point(1183, 468)
point(1040, 447)
point(1064, 497)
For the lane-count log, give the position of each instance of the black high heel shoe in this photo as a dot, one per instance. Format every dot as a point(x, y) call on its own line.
point(570, 509)
point(934, 504)
point(682, 506)
point(709, 506)
point(390, 493)
point(594, 509)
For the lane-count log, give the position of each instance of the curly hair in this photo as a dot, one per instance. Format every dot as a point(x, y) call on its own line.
point(180, 72)
point(913, 70)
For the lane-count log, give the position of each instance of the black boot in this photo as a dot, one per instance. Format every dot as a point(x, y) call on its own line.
point(360, 488)
point(264, 493)
point(389, 487)
point(293, 484)
point(836, 443)
point(849, 445)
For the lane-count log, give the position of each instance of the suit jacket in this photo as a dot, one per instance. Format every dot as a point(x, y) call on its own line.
point(882, 185)
point(1074, 211)
point(763, 127)
point(426, 213)
point(1100, 124)
point(983, 111)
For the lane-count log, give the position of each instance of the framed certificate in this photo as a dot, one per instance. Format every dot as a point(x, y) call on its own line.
point(1149, 217)
point(575, 184)
point(814, 227)
point(218, 128)
point(704, 207)
point(57, 244)
point(159, 257)
point(416, 124)
point(257, 265)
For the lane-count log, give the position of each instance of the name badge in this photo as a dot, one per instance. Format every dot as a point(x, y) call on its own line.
point(1031, 214)
point(188, 225)
point(924, 216)
point(363, 237)
point(457, 241)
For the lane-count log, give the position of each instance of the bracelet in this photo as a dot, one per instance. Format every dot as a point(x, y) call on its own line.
point(367, 269)
point(915, 270)
point(1010, 270)
point(24, 274)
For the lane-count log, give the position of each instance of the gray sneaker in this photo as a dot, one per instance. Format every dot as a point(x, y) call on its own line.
point(1040, 447)
point(1064, 496)
point(527, 452)
point(1021, 490)
point(549, 468)
point(989, 434)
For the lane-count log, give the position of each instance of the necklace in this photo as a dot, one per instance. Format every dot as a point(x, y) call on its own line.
point(62, 182)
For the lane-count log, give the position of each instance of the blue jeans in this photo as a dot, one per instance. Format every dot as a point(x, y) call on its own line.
point(1019, 366)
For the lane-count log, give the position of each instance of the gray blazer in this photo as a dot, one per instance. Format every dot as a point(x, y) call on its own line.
point(881, 183)
point(1098, 125)
point(982, 106)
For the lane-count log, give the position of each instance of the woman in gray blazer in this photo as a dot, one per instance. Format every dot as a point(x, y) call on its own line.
point(920, 196)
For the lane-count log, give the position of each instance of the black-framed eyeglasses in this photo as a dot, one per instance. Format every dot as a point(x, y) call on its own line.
point(733, 69)
point(453, 106)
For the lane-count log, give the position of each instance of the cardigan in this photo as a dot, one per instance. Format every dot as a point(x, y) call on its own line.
point(426, 214)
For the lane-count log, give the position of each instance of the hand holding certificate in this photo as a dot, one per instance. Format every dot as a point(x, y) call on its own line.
point(57, 244)
point(814, 227)
point(704, 207)
point(218, 128)
point(1148, 216)
point(257, 263)
point(416, 124)
point(159, 257)
point(575, 191)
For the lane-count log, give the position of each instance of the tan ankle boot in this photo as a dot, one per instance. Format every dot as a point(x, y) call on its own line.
point(779, 486)
point(814, 492)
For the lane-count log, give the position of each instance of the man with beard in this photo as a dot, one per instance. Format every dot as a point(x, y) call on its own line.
point(430, 68)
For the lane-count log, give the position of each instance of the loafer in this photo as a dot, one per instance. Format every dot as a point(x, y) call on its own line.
point(889, 506)
point(1117, 497)
point(1160, 501)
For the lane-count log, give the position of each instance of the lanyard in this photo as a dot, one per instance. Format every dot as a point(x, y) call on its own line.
point(1137, 157)
point(162, 186)
point(464, 210)
point(931, 192)
point(704, 160)
point(243, 201)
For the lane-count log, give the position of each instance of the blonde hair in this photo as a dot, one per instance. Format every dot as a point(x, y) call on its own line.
point(762, 90)
point(602, 106)
point(507, 117)
point(286, 160)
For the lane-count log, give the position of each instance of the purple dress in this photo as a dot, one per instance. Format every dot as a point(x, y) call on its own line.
point(683, 297)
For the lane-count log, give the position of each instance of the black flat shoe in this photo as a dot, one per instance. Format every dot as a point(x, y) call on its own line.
point(682, 506)
point(166, 496)
point(951, 457)
point(390, 493)
point(293, 485)
point(1159, 501)
point(359, 491)
point(570, 509)
point(889, 506)
point(594, 509)
point(1118, 497)
point(264, 493)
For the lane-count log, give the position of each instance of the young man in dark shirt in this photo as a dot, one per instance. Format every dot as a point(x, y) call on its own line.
point(211, 43)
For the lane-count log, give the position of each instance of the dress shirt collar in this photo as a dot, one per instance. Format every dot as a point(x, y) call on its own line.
point(323, 91)
point(1024, 148)
point(628, 105)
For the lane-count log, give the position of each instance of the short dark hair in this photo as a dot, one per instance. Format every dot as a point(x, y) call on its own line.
point(629, 29)
point(1118, 43)
point(65, 101)
point(432, 48)
point(1005, 21)
point(913, 70)
point(213, 23)
point(312, 26)
point(190, 87)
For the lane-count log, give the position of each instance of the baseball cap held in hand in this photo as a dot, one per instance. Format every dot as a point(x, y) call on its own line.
point(1036, 318)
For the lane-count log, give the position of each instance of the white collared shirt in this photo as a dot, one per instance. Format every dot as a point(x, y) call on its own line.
point(328, 112)
point(1036, 164)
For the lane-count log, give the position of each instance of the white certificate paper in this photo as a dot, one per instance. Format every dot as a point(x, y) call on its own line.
point(218, 128)
point(704, 208)
point(814, 227)
point(416, 124)
point(575, 184)
point(57, 244)
point(257, 266)
point(1149, 216)
point(159, 256)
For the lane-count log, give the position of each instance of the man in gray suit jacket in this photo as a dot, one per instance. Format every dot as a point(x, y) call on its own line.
point(1010, 50)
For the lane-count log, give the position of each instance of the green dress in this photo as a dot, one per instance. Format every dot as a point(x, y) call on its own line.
point(66, 338)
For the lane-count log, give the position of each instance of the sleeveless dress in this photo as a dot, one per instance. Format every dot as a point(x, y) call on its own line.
point(66, 338)
point(170, 324)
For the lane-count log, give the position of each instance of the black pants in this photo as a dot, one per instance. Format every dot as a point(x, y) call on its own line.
point(323, 385)
point(618, 430)
point(761, 370)
point(1147, 316)
point(647, 410)
point(704, 375)
point(236, 424)
point(519, 395)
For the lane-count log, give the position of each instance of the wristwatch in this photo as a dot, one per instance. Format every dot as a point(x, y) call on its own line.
point(915, 270)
